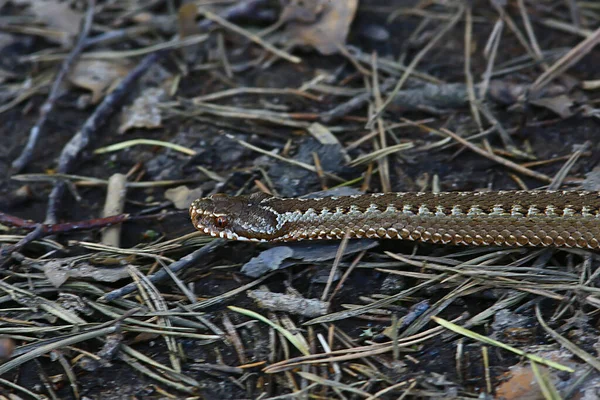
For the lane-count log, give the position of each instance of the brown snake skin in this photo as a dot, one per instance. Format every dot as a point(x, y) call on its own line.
point(505, 218)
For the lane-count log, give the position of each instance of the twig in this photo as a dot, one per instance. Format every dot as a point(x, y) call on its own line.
point(82, 138)
point(161, 275)
point(413, 64)
point(116, 194)
point(35, 132)
point(51, 229)
point(498, 159)
point(353, 104)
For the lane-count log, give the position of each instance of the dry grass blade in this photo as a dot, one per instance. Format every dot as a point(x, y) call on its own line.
point(278, 118)
point(246, 114)
point(155, 302)
point(91, 181)
point(116, 55)
point(355, 352)
point(548, 389)
point(255, 38)
point(498, 159)
point(379, 303)
point(280, 158)
point(413, 64)
point(468, 72)
point(142, 369)
point(484, 339)
point(21, 389)
point(129, 353)
point(221, 298)
point(148, 142)
point(572, 347)
point(378, 154)
point(253, 90)
point(334, 384)
point(41, 350)
point(298, 344)
point(565, 62)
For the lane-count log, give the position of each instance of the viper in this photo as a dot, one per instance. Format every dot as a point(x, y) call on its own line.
point(504, 218)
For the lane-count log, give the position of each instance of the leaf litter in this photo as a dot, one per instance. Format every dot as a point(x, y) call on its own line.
point(290, 98)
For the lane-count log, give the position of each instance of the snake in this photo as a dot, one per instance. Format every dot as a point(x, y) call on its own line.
point(532, 218)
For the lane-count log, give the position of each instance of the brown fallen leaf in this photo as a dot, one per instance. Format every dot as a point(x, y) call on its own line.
point(321, 24)
point(561, 105)
point(520, 383)
point(58, 15)
point(182, 196)
point(98, 76)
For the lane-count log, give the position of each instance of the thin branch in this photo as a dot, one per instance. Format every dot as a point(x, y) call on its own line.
point(35, 132)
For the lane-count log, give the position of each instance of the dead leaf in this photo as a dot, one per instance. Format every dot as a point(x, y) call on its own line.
point(321, 24)
point(98, 76)
point(58, 272)
point(561, 105)
point(144, 112)
point(302, 11)
point(520, 383)
point(57, 15)
point(182, 196)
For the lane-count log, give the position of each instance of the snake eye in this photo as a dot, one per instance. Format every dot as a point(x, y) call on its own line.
point(221, 222)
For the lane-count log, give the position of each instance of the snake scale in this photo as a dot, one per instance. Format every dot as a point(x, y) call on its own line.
point(504, 218)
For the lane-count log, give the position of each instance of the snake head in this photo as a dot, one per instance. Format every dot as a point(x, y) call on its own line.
point(237, 218)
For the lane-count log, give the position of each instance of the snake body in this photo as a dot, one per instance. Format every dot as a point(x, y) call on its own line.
point(505, 218)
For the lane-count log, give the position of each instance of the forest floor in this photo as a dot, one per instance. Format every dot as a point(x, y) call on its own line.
point(136, 108)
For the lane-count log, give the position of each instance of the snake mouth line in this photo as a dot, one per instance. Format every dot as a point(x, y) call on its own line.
point(222, 234)
point(227, 235)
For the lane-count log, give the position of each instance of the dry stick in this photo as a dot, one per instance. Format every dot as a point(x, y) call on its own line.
point(353, 104)
point(115, 203)
point(35, 132)
point(51, 229)
point(161, 275)
point(7, 251)
point(82, 139)
point(498, 159)
point(413, 64)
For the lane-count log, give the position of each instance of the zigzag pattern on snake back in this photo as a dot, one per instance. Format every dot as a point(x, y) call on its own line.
point(505, 218)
